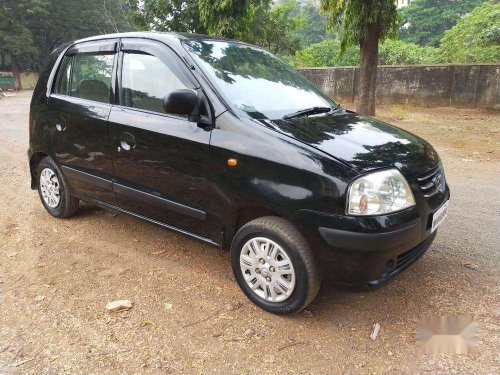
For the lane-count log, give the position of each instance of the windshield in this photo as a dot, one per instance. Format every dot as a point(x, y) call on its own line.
point(254, 81)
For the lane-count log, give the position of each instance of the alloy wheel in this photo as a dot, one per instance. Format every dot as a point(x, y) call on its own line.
point(50, 188)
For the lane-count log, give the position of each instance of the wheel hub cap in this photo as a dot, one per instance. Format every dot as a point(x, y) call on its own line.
point(267, 269)
point(50, 188)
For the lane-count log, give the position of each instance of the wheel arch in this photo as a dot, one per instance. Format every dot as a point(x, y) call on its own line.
point(244, 215)
point(34, 161)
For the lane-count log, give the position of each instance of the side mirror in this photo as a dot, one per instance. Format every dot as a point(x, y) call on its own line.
point(182, 102)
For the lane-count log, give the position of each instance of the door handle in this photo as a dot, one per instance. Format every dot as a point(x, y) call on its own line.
point(60, 127)
point(127, 142)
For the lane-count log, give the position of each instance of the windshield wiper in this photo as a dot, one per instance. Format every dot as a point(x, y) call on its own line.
point(307, 112)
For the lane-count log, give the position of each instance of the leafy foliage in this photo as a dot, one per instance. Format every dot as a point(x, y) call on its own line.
point(294, 29)
point(391, 52)
point(397, 52)
point(314, 29)
point(31, 29)
point(15, 36)
point(78, 19)
point(275, 28)
point(425, 21)
point(475, 38)
point(227, 18)
point(325, 53)
point(167, 15)
point(313, 26)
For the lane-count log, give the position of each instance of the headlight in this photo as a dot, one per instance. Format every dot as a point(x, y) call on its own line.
point(379, 193)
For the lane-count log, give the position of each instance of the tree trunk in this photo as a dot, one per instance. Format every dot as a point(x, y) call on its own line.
point(17, 76)
point(368, 71)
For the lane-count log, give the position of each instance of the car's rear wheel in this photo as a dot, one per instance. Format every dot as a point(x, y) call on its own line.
point(53, 190)
point(274, 265)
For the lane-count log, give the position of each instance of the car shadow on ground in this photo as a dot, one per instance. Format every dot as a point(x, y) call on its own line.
point(401, 299)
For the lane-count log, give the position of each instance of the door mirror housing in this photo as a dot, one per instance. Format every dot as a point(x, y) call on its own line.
point(187, 102)
point(182, 102)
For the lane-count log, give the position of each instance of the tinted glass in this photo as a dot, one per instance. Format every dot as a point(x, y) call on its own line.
point(255, 81)
point(91, 77)
point(62, 83)
point(145, 82)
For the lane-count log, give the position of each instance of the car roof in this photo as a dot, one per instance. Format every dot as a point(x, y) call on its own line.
point(155, 35)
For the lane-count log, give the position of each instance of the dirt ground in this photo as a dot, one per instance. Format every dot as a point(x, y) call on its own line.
point(189, 316)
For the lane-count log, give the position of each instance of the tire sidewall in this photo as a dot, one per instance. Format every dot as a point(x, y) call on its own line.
point(62, 207)
point(299, 295)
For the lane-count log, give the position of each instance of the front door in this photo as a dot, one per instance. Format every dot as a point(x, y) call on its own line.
point(80, 106)
point(159, 158)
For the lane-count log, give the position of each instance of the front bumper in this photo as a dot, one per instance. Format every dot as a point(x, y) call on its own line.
point(368, 251)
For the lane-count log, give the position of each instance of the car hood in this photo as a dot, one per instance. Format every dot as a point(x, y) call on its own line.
point(362, 142)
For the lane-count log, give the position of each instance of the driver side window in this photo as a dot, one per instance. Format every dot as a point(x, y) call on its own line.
point(145, 81)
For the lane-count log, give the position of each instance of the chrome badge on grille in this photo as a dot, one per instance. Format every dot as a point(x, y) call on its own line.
point(431, 183)
point(436, 180)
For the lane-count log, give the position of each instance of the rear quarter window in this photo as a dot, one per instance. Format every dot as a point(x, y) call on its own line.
point(63, 77)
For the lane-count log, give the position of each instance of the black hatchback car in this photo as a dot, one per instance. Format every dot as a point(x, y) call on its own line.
point(223, 142)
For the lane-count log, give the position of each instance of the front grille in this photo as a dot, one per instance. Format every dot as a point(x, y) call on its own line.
point(413, 254)
point(403, 261)
point(431, 183)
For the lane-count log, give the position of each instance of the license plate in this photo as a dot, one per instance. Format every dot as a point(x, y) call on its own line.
point(439, 216)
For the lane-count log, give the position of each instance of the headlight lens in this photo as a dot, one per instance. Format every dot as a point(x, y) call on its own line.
point(379, 193)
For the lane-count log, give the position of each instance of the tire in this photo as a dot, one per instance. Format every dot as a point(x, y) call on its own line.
point(66, 205)
point(279, 237)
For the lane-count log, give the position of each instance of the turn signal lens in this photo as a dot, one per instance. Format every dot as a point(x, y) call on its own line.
point(363, 203)
point(232, 162)
point(379, 193)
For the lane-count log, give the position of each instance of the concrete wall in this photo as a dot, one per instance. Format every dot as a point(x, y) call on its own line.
point(468, 86)
point(28, 80)
point(463, 85)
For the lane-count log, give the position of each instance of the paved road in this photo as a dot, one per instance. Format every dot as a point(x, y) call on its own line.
point(189, 316)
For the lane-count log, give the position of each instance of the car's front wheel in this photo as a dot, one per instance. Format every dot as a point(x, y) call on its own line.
point(274, 265)
point(53, 190)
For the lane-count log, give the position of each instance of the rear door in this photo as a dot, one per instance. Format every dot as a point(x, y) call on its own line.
point(80, 106)
point(159, 158)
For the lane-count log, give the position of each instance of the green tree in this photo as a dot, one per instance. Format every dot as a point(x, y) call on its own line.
point(475, 38)
point(76, 19)
point(313, 28)
point(15, 36)
point(261, 22)
point(167, 15)
point(391, 52)
point(325, 53)
point(425, 21)
point(275, 27)
point(397, 52)
point(31, 29)
point(227, 18)
point(363, 23)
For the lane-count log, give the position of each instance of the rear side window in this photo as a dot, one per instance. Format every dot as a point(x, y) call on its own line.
point(91, 77)
point(145, 82)
point(63, 78)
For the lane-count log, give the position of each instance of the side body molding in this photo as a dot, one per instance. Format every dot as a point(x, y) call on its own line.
point(159, 201)
point(134, 193)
